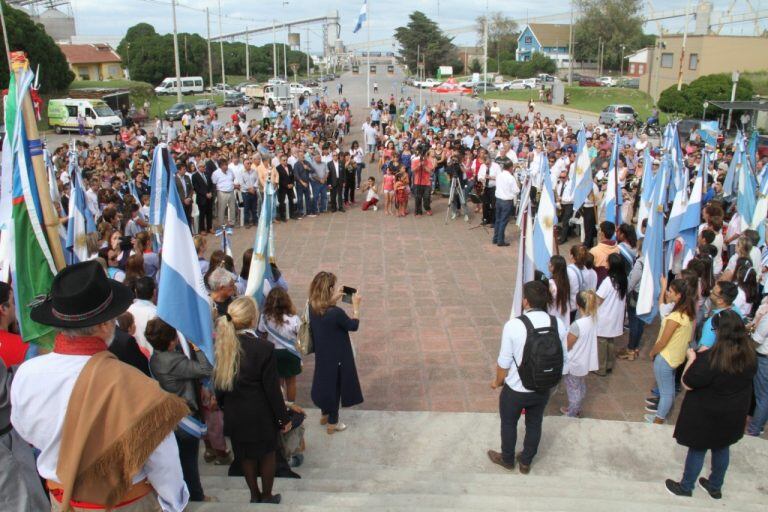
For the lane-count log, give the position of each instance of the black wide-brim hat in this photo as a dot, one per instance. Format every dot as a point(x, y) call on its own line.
point(81, 296)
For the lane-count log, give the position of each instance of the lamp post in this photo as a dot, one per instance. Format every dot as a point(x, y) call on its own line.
point(735, 80)
point(704, 114)
point(621, 63)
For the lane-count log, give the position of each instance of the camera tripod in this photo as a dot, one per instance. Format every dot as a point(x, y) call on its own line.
point(456, 188)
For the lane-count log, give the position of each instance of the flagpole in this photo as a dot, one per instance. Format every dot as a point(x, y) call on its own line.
point(20, 64)
point(368, 55)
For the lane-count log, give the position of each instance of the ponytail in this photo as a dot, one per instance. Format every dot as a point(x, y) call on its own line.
point(240, 314)
point(587, 302)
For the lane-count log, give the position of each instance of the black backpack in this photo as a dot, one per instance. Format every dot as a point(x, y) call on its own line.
point(542, 365)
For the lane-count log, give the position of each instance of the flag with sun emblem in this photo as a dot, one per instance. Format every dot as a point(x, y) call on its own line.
point(544, 226)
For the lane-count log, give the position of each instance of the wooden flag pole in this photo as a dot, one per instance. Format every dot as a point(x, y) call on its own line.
point(20, 64)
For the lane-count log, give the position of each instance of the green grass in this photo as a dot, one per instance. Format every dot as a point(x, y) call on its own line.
point(159, 104)
point(759, 81)
point(107, 84)
point(590, 99)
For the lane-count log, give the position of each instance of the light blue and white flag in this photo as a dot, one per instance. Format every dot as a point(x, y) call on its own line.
point(730, 185)
point(761, 210)
point(81, 221)
point(752, 149)
point(263, 249)
point(646, 191)
point(612, 199)
point(134, 191)
point(544, 228)
point(182, 299)
point(410, 110)
point(159, 182)
point(582, 178)
point(362, 17)
point(689, 225)
point(746, 192)
point(423, 116)
point(676, 215)
point(653, 251)
point(225, 232)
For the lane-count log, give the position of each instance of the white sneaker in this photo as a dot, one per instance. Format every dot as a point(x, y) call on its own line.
point(453, 215)
point(466, 218)
point(375, 208)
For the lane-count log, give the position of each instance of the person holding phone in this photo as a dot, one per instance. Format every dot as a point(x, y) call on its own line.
point(335, 381)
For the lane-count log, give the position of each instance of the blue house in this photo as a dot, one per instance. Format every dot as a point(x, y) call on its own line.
point(551, 40)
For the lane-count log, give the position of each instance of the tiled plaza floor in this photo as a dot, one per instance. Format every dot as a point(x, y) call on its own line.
point(435, 299)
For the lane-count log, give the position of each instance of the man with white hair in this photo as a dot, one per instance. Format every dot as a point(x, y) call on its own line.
point(221, 283)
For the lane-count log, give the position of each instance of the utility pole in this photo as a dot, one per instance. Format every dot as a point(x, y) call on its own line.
point(307, 52)
point(570, 49)
point(247, 57)
point(285, 54)
point(485, 50)
point(368, 55)
point(210, 62)
point(621, 63)
point(735, 80)
point(176, 53)
point(221, 49)
point(274, 50)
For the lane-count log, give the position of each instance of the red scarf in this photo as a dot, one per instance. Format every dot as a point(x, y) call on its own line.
point(78, 346)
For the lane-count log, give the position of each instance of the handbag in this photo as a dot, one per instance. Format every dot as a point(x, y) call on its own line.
point(304, 339)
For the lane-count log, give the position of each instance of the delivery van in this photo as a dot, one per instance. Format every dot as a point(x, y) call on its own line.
point(189, 85)
point(97, 116)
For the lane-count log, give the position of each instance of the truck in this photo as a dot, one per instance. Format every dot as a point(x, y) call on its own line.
point(259, 95)
point(97, 115)
point(189, 85)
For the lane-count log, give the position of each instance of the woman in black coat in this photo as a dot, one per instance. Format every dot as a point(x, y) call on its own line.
point(714, 410)
point(248, 392)
point(335, 377)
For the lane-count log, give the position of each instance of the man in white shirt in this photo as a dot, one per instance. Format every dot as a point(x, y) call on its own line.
point(564, 197)
point(143, 310)
point(487, 176)
point(506, 193)
point(515, 396)
point(109, 397)
point(224, 180)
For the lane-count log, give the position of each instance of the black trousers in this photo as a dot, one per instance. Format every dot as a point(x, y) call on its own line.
point(590, 225)
point(566, 212)
point(284, 203)
point(422, 198)
point(189, 450)
point(349, 190)
point(489, 205)
point(511, 405)
point(337, 197)
point(205, 220)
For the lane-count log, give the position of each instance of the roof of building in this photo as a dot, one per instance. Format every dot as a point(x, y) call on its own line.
point(89, 53)
point(549, 34)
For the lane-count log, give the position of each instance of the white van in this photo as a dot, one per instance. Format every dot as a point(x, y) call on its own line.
point(96, 114)
point(189, 85)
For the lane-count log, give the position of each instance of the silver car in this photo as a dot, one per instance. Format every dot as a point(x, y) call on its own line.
point(616, 114)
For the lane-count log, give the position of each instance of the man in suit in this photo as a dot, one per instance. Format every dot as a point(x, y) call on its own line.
point(284, 189)
point(336, 181)
point(185, 190)
point(203, 186)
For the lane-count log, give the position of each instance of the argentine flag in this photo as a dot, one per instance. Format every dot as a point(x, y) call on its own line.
point(182, 300)
point(613, 198)
point(761, 209)
point(731, 177)
point(746, 192)
point(363, 16)
point(544, 227)
point(525, 265)
point(263, 249)
point(159, 179)
point(582, 179)
point(689, 226)
point(80, 221)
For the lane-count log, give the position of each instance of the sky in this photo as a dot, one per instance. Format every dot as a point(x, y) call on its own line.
point(113, 18)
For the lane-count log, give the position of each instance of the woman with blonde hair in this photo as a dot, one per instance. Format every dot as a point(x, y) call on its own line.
point(248, 392)
point(335, 380)
point(582, 352)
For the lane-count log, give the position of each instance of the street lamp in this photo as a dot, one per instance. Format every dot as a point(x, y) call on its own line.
point(735, 80)
point(705, 105)
point(621, 63)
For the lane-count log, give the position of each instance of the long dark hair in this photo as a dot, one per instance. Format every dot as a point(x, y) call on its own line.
point(617, 275)
point(539, 276)
point(686, 304)
point(733, 352)
point(746, 279)
point(560, 277)
point(703, 268)
point(277, 304)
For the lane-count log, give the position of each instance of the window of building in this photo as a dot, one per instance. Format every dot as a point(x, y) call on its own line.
point(693, 61)
point(666, 60)
point(631, 68)
point(83, 72)
point(527, 39)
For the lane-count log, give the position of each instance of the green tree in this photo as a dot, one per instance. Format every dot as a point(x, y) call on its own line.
point(25, 35)
point(502, 33)
point(422, 37)
point(690, 99)
point(475, 66)
point(615, 23)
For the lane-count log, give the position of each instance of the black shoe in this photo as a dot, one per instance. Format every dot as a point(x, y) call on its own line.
point(653, 400)
point(676, 489)
point(715, 494)
point(652, 407)
point(274, 500)
point(503, 244)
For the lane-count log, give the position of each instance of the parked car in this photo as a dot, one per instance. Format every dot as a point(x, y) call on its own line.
point(205, 104)
point(589, 81)
point(177, 111)
point(276, 81)
point(297, 88)
point(485, 86)
point(521, 83)
point(545, 78)
point(607, 81)
point(242, 85)
point(629, 83)
point(428, 83)
point(235, 99)
point(617, 114)
point(310, 83)
point(220, 88)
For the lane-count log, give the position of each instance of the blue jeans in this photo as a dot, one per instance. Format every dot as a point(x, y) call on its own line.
point(503, 212)
point(694, 461)
point(320, 196)
point(665, 380)
point(359, 173)
point(304, 203)
point(759, 418)
point(636, 327)
point(250, 208)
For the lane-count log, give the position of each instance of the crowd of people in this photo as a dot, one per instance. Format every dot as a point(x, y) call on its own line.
point(713, 338)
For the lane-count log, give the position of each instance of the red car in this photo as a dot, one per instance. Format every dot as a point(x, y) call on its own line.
point(589, 81)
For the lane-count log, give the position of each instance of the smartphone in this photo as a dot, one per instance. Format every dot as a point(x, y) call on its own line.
point(347, 292)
